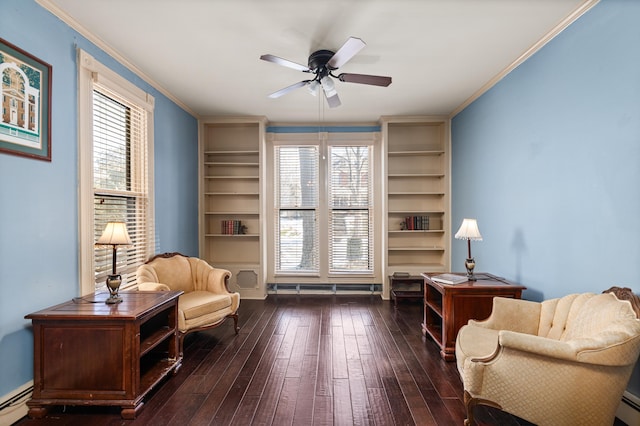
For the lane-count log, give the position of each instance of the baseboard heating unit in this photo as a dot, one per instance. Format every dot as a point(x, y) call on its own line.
point(277, 288)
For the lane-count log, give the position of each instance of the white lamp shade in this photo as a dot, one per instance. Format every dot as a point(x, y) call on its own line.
point(328, 86)
point(115, 233)
point(469, 230)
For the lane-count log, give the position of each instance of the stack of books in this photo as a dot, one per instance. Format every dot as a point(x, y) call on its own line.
point(231, 227)
point(450, 278)
point(416, 223)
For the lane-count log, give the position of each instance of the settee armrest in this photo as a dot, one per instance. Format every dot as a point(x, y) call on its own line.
point(512, 314)
point(149, 286)
point(537, 345)
point(217, 280)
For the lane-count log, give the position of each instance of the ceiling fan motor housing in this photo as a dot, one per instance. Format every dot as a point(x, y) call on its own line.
point(318, 62)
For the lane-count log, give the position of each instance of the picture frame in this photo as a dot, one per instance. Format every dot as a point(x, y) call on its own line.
point(25, 96)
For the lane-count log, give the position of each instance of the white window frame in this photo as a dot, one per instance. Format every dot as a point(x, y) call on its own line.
point(323, 139)
point(91, 71)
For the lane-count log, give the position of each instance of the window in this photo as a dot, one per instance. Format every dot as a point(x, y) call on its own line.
point(297, 231)
point(323, 210)
point(350, 210)
point(115, 168)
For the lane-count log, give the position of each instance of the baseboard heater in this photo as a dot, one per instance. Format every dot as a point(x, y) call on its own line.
point(367, 288)
point(14, 405)
point(629, 409)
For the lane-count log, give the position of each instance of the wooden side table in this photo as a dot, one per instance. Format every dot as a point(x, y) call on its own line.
point(448, 307)
point(409, 287)
point(90, 353)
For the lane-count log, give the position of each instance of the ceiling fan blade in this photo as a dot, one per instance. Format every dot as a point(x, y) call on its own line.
point(289, 89)
point(285, 63)
point(374, 80)
point(346, 52)
point(333, 101)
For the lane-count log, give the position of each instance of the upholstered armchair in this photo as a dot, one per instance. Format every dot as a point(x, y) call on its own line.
point(565, 361)
point(206, 301)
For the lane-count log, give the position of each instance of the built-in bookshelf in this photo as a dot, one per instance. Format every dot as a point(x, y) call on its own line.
point(417, 194)
point(231, 225)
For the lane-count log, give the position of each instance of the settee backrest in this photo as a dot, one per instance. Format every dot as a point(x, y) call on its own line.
point(579, 316)
point(173, 271)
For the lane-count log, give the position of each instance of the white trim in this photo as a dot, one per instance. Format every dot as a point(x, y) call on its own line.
point(55, 10)
point(85, 171)
point(17, 404)
point(90, 71)
point(629, 409)
point(561, 26)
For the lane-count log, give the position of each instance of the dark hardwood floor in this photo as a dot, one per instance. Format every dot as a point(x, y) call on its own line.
point(304, 360)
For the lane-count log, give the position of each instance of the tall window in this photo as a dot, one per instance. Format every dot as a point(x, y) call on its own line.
point(297, 197)
point(115, 154)
point(333, 220)
point(350, 210)
point(119, 180)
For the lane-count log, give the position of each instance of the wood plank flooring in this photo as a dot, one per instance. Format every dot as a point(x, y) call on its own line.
point(304, 360)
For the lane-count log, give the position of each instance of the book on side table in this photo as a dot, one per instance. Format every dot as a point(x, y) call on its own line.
point(450, 278)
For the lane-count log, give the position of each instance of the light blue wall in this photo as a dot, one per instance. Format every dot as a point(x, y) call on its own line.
point(548, 161)
point(39, 202)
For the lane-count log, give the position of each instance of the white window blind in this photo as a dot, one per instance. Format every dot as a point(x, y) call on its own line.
point(297, 209)
point(350, 210)
point(120, 181)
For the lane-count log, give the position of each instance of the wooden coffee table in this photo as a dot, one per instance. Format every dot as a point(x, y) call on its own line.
point(89, 353)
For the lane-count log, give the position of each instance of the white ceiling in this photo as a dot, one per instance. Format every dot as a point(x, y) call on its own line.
point(205, 53)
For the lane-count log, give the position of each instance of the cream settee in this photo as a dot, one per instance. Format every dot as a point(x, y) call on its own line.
point(565, 361)
point(206, 301)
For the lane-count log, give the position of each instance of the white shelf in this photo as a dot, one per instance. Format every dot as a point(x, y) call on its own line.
point(234, 235)
point(231, 152)
point(416, 175)
point(416, 249)
point(232, 193)
point(413, 153)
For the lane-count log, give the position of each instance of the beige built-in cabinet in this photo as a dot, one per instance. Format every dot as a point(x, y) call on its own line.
point(417, 194)
point(415, 177)
point(231, 199)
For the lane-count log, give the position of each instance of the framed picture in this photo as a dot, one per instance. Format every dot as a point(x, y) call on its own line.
point(25, 92)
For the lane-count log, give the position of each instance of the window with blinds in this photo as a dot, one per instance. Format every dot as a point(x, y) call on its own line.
point(120, 181)
point(297, 205)
point(350, 210)
point(347, 209)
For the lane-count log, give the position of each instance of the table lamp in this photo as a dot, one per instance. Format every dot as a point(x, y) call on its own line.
point(469, 231)
point(115, 234)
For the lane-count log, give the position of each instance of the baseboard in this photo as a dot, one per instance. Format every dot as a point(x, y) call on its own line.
point(304, 288)
point(629, 409)
point(13, 406)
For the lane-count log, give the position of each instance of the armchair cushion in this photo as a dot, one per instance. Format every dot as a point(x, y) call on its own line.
point(574, 358)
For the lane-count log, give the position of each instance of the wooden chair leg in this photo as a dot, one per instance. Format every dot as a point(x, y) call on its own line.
point(235, 323)
point(471, 402)
point(181, 344)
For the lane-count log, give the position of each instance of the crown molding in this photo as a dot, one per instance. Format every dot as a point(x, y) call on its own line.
point(64, 17)
point(570, 19)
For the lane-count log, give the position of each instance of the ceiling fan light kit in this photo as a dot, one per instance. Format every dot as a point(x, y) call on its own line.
point(322, 63)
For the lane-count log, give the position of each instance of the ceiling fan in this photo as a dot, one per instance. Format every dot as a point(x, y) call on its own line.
point(323, 63)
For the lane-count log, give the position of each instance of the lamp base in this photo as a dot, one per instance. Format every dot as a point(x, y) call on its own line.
point(470, 264)
point(113, 284)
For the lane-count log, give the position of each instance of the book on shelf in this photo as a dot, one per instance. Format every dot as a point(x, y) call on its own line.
point(399, 274)
point(415, 223)
point(449, 278)
point(232, 227)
